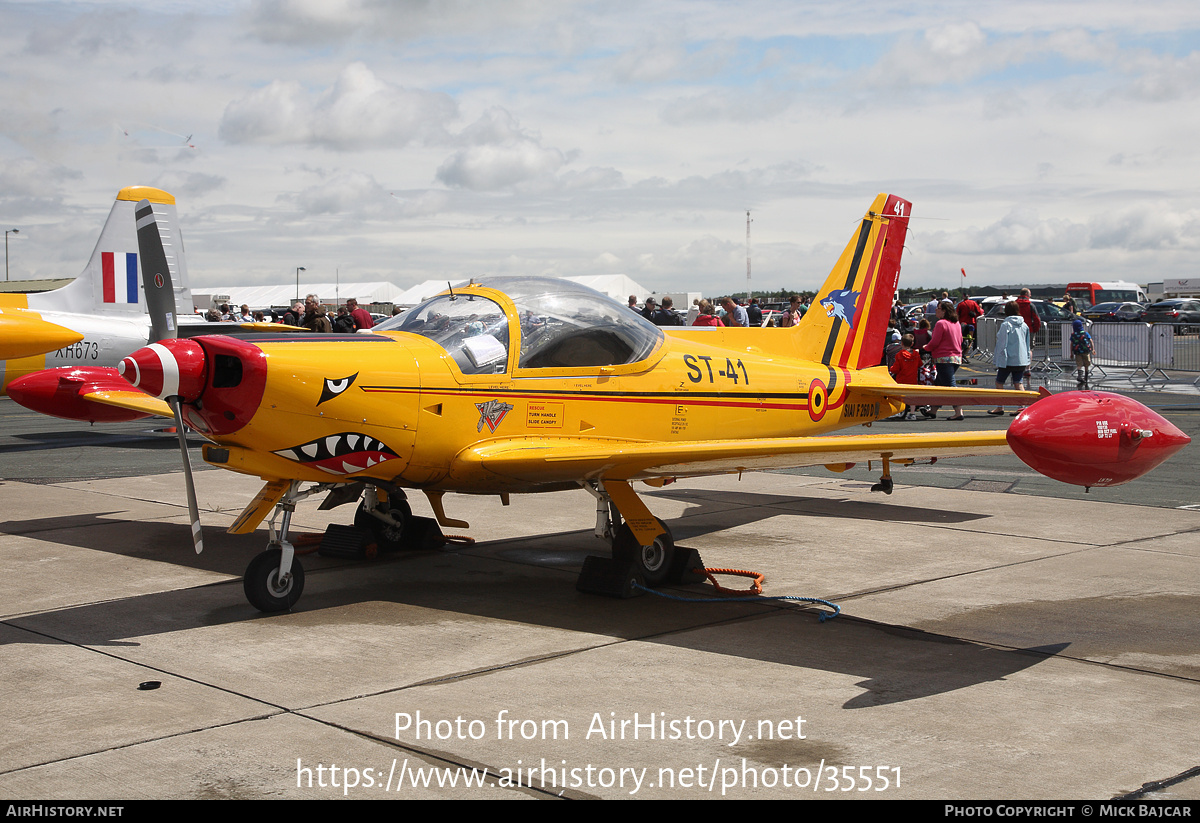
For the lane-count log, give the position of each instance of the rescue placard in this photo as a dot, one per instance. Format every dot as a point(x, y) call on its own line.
point(544, 415)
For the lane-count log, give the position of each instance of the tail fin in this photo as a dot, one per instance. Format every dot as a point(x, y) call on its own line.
point(845, 323)
point(111, 282)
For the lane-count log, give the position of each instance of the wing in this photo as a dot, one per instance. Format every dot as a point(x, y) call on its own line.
point(565, 459)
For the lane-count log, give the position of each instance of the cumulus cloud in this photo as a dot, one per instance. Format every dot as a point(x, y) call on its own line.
point(709, 254)
point(307, 21)
point(592, 178)
point(653, 60)
point(767, 177)
point(741, 106)
point(351, 193)
point(359, 111)
point(1146, 228)
point(954, 40)
point(956, 53)
point(102, 31)
point(499, 154)
point(488, 168)
point(1022, 231)
point(1163, 78)
point(304, 22)
point(342, 193)
point(26, 177)
point(188, 185)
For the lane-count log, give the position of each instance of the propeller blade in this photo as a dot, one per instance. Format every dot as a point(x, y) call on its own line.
point(193, 508)
point(156, 272)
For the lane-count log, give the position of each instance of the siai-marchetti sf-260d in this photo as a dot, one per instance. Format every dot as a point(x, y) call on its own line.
point(528, 384)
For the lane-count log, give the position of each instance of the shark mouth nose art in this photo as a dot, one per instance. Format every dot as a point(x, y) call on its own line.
point(344, 453)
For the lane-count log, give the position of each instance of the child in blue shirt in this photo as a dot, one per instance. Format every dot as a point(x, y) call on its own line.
point(1082, 347)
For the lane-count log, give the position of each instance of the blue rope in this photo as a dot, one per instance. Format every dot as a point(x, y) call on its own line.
point(821, 616)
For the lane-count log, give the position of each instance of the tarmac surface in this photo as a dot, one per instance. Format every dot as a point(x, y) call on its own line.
point(1001, 638)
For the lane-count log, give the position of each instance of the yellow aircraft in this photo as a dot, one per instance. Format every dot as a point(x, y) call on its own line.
point(530, 384)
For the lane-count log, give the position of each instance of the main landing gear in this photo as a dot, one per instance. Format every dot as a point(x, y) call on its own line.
point(885, 483)
point(385, 516)
point(655, 561)
point(645, 554)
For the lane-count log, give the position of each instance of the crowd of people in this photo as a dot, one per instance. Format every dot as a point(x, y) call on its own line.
point(931, 354)
point(310, 314)
point(730, 312)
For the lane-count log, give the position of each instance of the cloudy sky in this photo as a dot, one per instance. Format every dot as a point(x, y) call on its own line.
point(413, 139)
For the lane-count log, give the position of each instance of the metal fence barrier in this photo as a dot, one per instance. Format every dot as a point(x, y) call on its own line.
point(1148, 349)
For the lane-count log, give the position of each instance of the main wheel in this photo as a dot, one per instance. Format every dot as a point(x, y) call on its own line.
point(263, 587)
point(653, 561)
point(387, 536)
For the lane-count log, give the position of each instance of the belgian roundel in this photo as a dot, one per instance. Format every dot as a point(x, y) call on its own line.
point(818, 399)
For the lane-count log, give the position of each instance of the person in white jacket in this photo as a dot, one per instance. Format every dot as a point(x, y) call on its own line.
point(1012, 351)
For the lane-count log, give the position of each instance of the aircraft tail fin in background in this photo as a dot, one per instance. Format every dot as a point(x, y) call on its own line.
point(111, 283)
point(846, 321)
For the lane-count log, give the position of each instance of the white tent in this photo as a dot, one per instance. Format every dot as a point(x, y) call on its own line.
point(258, 297)
point(616, 286)
point(423, 291)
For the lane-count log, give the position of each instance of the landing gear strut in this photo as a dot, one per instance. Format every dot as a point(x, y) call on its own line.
point(885, 483)
point(274, 580)
point(656, 563)
point(386, 519)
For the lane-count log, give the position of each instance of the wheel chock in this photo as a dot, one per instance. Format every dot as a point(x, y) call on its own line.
point(691, 567)
point(423, 534)
point(608, 577)
point(345, 542)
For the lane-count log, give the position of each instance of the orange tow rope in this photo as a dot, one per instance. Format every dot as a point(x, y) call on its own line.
point(755, 585)
point(311, 540)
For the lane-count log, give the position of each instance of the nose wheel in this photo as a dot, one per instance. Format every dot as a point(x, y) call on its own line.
point(274, 580)
point(266, 588)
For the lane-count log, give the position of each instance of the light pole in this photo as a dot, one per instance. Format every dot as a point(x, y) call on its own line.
point(6, 234)
point(298, 270)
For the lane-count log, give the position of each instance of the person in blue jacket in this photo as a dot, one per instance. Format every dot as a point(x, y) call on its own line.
point(1012, 351)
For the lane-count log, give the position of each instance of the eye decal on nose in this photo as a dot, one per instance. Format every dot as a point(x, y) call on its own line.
point(333, 388)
